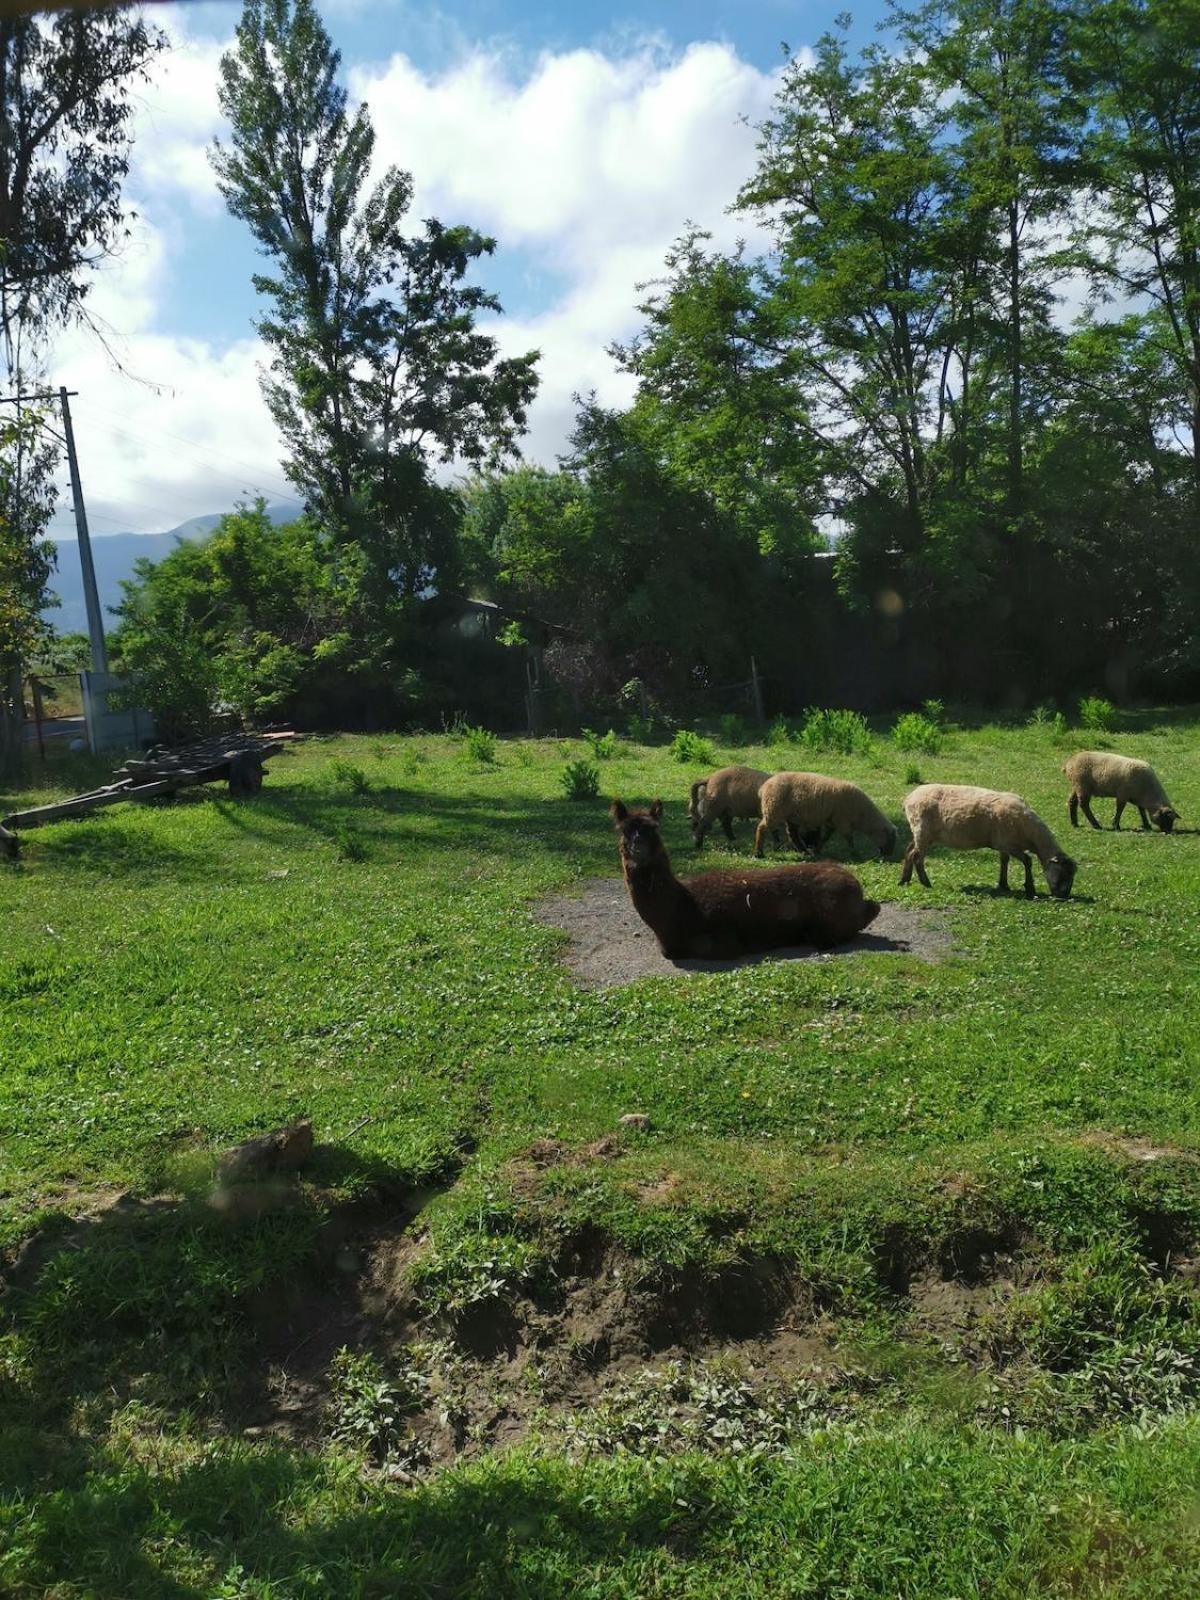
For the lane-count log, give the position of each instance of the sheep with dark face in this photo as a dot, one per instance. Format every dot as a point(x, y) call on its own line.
point(1128, 782)
point(967, 818)
point(728, 793)
point(731, 913)
point(813, 807)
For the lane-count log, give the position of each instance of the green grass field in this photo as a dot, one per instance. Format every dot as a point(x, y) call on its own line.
point(897, 1296)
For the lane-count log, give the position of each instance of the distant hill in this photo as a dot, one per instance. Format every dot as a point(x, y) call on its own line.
point(113, 555)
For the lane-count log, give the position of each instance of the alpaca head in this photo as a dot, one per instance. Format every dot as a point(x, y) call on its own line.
point(1165, 817)
point(639, 838)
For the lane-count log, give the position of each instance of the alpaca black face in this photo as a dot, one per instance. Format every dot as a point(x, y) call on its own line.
point(639, 836)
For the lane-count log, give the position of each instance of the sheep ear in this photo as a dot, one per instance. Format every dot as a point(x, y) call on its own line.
point(618, 811)
point(656, 809)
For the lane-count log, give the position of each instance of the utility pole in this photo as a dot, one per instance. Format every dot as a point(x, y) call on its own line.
point(91, 595)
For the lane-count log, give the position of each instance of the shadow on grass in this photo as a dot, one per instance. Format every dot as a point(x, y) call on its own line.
point(516, 1533)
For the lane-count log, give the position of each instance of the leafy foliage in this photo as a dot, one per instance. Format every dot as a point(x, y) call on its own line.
point(916, 732)
point(688, 746)
point(580, 780)
point(845, 732)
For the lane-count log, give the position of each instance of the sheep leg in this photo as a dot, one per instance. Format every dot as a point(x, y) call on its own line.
point(1085, 802)
point(798, 844)
point(1145, 819)
point(1030, 891)
point(1073, 808)
point(913, 858)
point(1002, 886)
point(760, 833)
point(699, 828)
point(727, 824)
point(907, 869)
point(1117, 815)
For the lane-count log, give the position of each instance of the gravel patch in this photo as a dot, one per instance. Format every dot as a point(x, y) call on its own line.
point(610, 944)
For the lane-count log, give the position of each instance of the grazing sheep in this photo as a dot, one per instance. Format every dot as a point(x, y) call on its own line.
point(813, 807)
point(731, 792)
point(1129, 782)
point(966, 818)
point(723, 914)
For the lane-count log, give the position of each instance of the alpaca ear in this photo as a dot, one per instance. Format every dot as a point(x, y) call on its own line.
point(618, 811)
point(656, 809)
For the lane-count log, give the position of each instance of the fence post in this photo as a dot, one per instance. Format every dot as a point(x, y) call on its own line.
point(756, 689)
point(35, 690)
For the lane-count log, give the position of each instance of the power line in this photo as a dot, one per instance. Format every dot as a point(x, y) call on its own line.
point(261, 484)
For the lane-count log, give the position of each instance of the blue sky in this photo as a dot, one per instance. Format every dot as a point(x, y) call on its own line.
point(583, 136)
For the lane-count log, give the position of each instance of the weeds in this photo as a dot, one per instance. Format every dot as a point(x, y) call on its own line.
point(844, 732)
point(913, 731)
point(479, 746)
point(687, 747)
point(602, 745)
point(580, 780)
point(351, 775)
point(1097, 715)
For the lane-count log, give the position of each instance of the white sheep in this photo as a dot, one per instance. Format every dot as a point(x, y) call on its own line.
point(730, 792)
point(812, 806)
point(966, 818)
point(1129, 782)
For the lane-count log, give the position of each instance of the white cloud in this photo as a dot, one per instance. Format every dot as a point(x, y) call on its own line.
point(590, 163)
point(593, 165)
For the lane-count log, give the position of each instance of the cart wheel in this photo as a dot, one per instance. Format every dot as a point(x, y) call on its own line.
point(245, 774)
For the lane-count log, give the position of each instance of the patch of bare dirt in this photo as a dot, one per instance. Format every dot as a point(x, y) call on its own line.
point(1136, 1149)
point(610, 944)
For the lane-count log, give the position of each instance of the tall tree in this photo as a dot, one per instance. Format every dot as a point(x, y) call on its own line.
point(64, 154)
point(710, 394)
point(378, 366)
point(1138, 63)
point(1001, 64)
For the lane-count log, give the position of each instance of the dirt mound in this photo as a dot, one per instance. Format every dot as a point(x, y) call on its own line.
point(611, 945)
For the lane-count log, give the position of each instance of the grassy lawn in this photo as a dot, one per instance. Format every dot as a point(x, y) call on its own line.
point(896, 1296)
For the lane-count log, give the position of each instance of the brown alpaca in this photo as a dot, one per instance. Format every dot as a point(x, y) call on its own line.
point(721, 914)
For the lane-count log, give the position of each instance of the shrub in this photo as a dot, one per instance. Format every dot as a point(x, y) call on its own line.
point(934, 711)
point(351, 846)
point(845, 732)
point(912, 774)
point(733, 728)
point(916, 732)
point(602, 745)
point(580, 780)
point(688, 746)
point(1097, 714)
point(1059, 727)
point(479, 745)
point(639, 729)
point(779, 733)
point(353, 777)
point(1039, 717)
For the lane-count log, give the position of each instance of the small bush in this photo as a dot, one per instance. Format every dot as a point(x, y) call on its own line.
point(934, 711)
point(602, 745)
point(733, 728)
point(845, 732)
point(1059, 727)
point(916, 732)
point(639, 729)
point(688, 746)
point(479, 745)
point(580, 780)
point(912, 774)
point(1039, 717)
point(351, 846)
point(778, 733)
point(369, 1407)
point(1097, 715)
point(354, 777)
